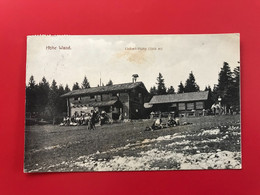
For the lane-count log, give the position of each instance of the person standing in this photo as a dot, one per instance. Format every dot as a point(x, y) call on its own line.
point(88, 119)
point(92, 120)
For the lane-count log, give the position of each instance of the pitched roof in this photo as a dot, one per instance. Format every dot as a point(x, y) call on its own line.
point(96, 104)
point(104, 89)
point(181, 97)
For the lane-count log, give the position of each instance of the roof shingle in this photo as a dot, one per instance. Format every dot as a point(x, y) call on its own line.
point(103, 89)
point(181, 97)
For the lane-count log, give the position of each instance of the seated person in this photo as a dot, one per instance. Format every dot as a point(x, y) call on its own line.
point(157, 124)
point(171, 122)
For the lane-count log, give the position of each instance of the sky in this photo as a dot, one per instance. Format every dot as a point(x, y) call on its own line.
point(118, 57)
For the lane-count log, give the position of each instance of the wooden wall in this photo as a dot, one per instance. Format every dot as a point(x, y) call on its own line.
point(124, 99)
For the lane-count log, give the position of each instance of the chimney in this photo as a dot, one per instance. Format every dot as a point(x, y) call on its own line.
point(134, 77)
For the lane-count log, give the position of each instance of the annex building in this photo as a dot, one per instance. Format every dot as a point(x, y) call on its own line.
point(121, 100)
point(184, 103)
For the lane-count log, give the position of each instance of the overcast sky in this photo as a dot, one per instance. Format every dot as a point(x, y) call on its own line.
point(109, 56)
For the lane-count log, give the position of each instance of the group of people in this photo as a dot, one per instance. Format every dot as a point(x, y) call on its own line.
point(158, 123)
point(88, 119)
point(217, 109)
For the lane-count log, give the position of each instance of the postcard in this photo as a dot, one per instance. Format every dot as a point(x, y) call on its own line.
point(132, 103)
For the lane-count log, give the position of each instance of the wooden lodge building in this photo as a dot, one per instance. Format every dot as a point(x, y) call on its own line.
point(184, 104)
point(125, 100)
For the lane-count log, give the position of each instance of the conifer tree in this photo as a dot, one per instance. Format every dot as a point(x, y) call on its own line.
point(54, 98)
point(191, 85)
point(153, 90)
point(210, 100)
point(85, 84)
point(67, 89)
point(225, 84)
point(161, 89)
point(171, 90)
point(225, 78)
point(236, 87)
point(43, 96)
point(109, 83)
point(62, 102)
point(180, 88)
point(76, 86)
point(31, 82)
point(31, 96)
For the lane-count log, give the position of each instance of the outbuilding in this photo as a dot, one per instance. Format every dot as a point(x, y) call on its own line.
point(184, 104)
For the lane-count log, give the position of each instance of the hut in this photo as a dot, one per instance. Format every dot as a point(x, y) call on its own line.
point(183, 104)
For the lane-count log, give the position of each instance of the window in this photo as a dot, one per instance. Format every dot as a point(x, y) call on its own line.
point(105, 97)
point(92, 97)
point(181, 106)
point(98, 97)
point(199, 105)
point(190, 106)
point(173, 105)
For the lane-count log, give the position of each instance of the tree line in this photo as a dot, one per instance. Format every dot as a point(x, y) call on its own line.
point(160, 89)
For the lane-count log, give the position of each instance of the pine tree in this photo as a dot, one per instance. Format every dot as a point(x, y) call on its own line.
point(210, 100)
point(161, 89)
point(215, 94)
point(109, 83)
point(76, 86)
point(225, 84)
point(31, 82)
point(153, 90)
point(171, 90)
point(225, 78)
point(67, 89)
point(236, 75)
point(42, 96)
point(180, 88)
point(31, 96)
point(54, 98)
point(62, 102)
point(85, 84)
point(191, 85)
point(228, 87)
point(236, 88)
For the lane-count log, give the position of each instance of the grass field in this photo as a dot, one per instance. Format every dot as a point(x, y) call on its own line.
point(211, 142)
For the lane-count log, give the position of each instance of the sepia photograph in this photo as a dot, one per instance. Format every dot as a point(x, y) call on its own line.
point(132, 103)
